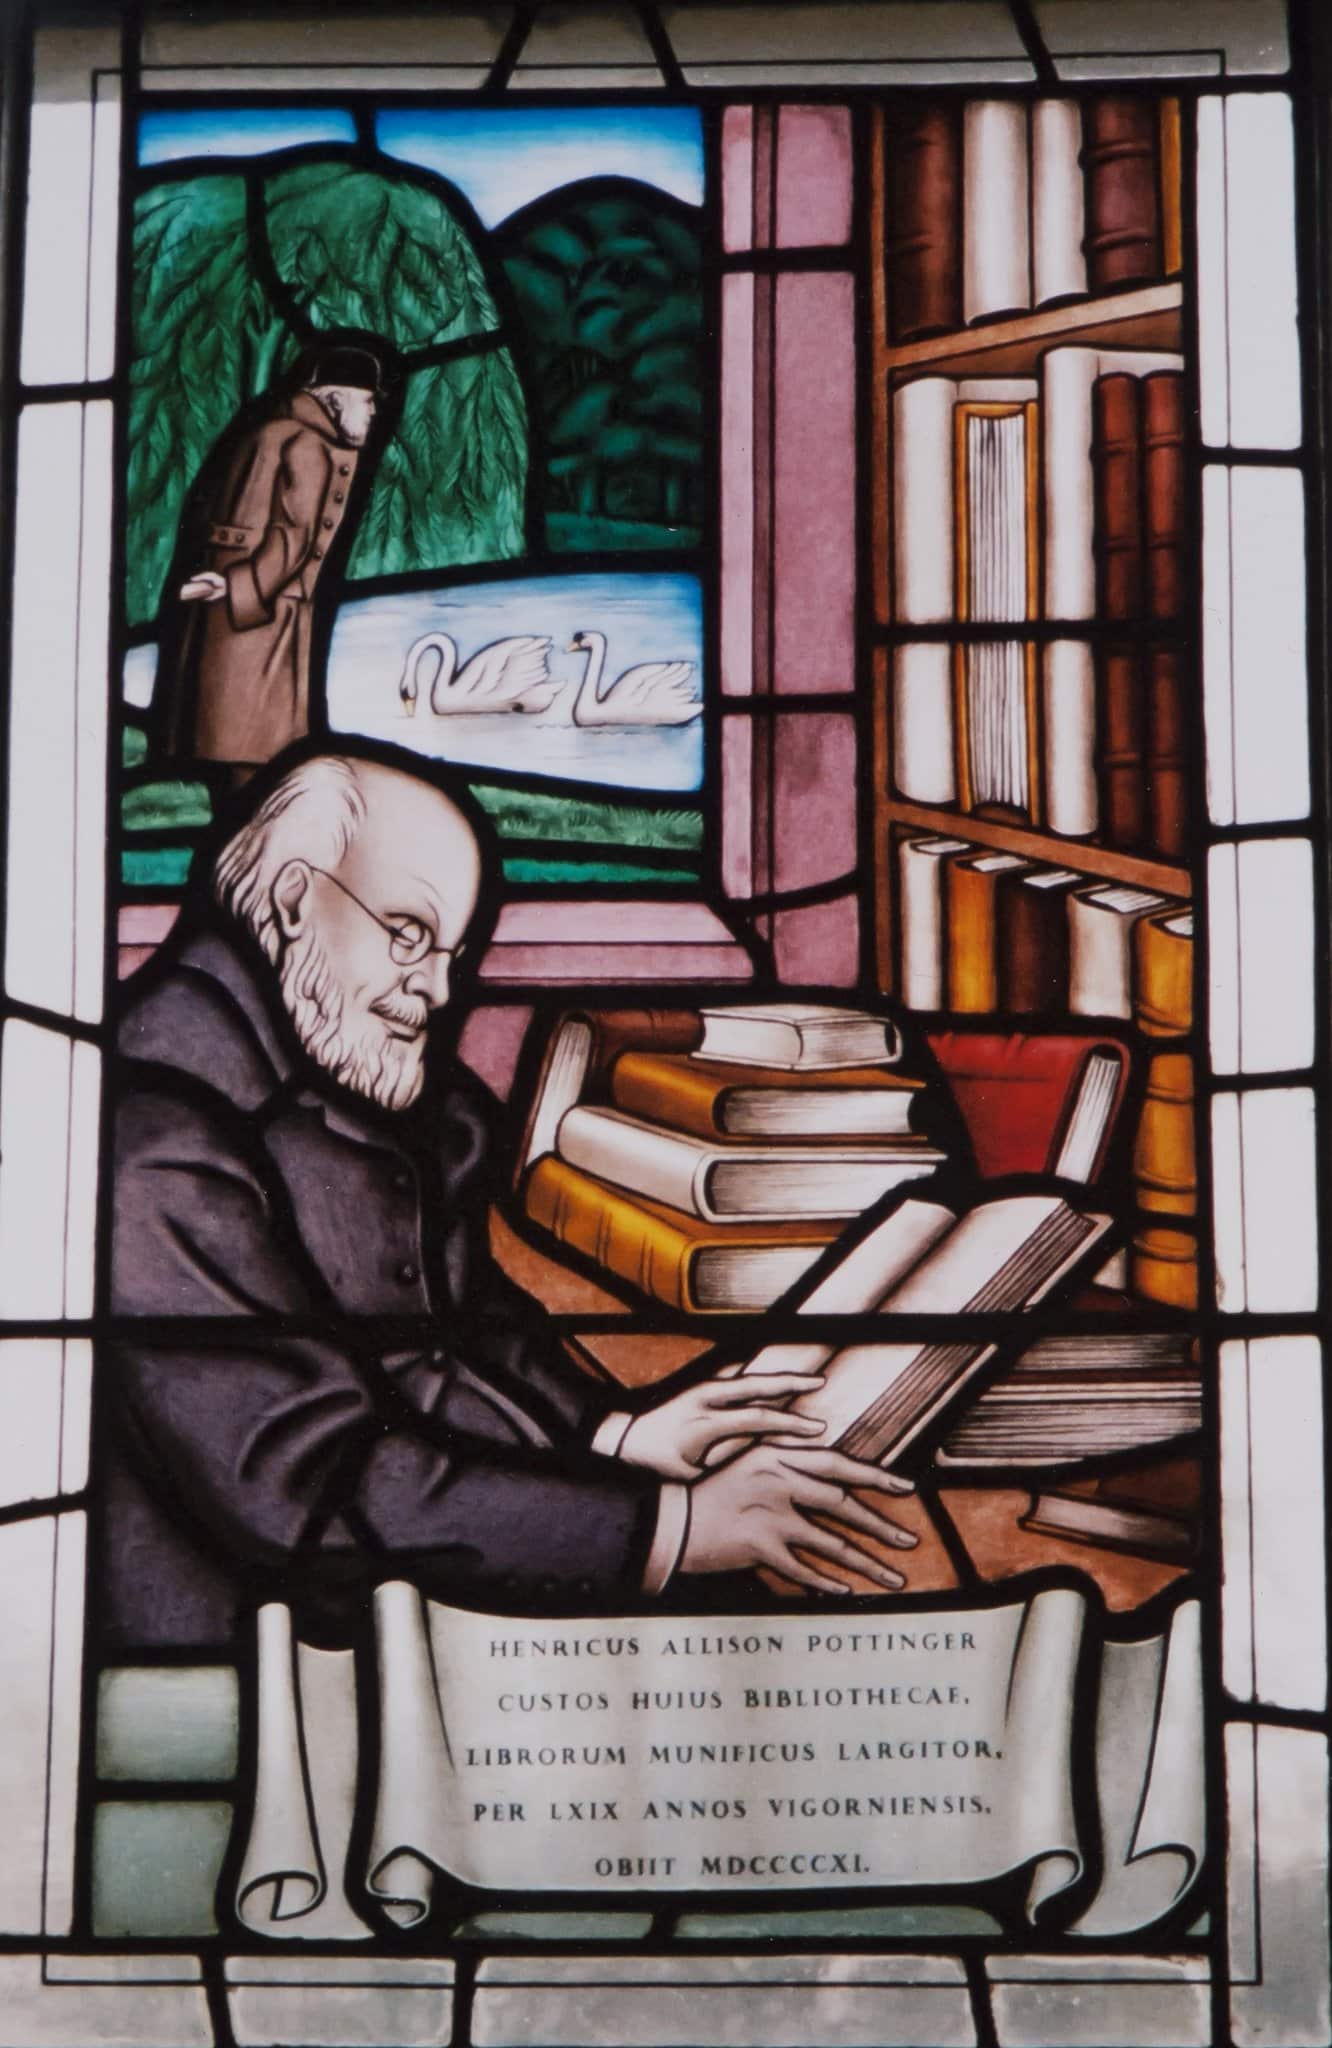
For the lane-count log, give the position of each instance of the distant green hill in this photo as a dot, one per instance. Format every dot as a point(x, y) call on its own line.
point(606, 276)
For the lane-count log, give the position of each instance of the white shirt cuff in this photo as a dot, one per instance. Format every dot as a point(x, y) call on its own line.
point(611, 1434)
point(669, 1541)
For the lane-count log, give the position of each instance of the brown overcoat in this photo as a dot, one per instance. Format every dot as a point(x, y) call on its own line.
point(236, 685)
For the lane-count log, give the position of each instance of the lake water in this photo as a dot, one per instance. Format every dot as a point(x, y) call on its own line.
point(644, 618)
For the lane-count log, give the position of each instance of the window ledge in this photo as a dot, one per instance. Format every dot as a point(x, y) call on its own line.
point(553, 940)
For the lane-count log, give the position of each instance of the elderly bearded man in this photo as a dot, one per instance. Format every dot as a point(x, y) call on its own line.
point(289, 1167)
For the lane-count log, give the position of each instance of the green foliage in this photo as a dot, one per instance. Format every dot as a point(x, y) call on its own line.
point(532, 814)
point(608, 287)
point(551, 871)
point(357, 247)
point(133, 746)
point(165, 806)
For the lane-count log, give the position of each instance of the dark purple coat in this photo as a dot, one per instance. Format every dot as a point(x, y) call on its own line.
point(338, 1385)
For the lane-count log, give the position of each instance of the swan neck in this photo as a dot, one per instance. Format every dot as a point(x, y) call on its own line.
point(590, 693)
point(433, 643)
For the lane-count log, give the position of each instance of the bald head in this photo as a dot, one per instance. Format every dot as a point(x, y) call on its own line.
point(359, 881)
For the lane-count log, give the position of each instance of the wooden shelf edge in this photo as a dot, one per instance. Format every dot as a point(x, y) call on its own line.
point(1049, 324)
point(1136, 869)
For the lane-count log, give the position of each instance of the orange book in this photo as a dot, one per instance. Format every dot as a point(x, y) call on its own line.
point(1164, 1267)
point(1164, 1162)
point(1163, 977)
point(689, 1264)
point(710, 1099)
point(973, 976)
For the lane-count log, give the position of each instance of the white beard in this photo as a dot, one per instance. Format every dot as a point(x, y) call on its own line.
point(390, 1071)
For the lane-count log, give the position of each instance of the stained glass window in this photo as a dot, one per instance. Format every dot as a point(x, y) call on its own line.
point(661, 1191)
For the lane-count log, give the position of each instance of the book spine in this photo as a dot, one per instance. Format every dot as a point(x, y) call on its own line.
point(682, 1097)
point(1164, 493)
point(1163, 1266)
point(1117, 484)
point(923, 921)
point(972, 981)
point(1067, 378)
point(1099, 961)
point(1032, 949)
point(1163, 978)
point(1166, 767)
point(1172, 188)
point(612, 1230)
point(1068, 724)
point(1120, 771)
point(923, 571)
point(1164, 1163)
point(996, 251)
point(924, 744)
point(1058, 265)
point(1119, 159)
point(925, 222)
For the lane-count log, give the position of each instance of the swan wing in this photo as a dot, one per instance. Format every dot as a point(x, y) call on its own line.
point(502, 671)
point(664, 682)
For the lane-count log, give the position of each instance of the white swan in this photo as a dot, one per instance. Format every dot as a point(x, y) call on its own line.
point(508, 675)
point(654, 693)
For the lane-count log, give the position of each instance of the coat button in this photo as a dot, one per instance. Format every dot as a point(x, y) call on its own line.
point(402, 1182)
point(329, 524)
point(344, 469)
point(338, 497)
point(318, 554)
point(408, 1274)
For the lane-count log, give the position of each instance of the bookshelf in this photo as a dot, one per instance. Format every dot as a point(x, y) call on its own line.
point(1122, 333)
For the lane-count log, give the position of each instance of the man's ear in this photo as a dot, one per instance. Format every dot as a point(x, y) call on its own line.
point(291, 898)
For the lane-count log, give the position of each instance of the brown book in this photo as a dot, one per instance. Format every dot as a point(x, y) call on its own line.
point(1120, 771)
point(711, 1099)
point(1165, 763)
point(1032, 934)
point(1164, 1161)
point(1172, 193)
point(1163, 972)
point(1119, 159)
point(1164, 491)
point(1154, 1512)
point(1163, 1266)
point(577, 1061)
point(972, 958)
point(924, 219)
point(691, 1265)
point(1117, 452)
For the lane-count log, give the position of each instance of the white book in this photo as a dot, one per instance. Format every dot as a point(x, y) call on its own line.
point(996, 250)
point(728, 1181)
point(801, 1036)
point(1068, 704)
point(1067, 378)
point(925, 1259)
point(921, 873)
point(1058, 265)
point(1100, 948)
point(924, 746)
point(923, 573)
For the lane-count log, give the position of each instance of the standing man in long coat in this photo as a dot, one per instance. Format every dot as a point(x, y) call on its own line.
point(235, 674)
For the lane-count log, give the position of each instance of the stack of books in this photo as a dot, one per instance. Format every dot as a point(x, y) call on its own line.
point(984, 931)
point(996, 207)
point(1154, 1511)
point(1073, 1398)
point(709, 1160)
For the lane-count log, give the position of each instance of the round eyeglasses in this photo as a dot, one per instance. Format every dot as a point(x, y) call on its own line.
point(408, 937)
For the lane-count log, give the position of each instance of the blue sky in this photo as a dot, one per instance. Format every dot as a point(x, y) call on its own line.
point(505, 158)
point(238, 131)
point(498, 158)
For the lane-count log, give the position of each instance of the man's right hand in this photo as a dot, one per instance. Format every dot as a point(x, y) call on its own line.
point(757, 1510)
point(204, 588)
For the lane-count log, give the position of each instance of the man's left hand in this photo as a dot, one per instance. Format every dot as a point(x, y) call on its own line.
point(675, 1438)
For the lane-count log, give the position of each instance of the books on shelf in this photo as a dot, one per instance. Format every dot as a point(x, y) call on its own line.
point(672, 1257)
point(970, 890)
point(927, 1258)
point(1034, 1103)
point(728, 1179)
point(799, 1036)
point(1101, 923)
point(690, 1093)
point(996, 207)
point(1155, 1511)
point(1067, 1399)
point(1032, 939)
point(923, 919)
point(1164, 1253)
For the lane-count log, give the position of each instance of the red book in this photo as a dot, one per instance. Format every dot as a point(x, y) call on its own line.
point(1166, 766)
point(1034, 1104)
point(1164, 478)
point(1117, 470)
point(1119, 160)
point(924, 177)
point(1120, 770)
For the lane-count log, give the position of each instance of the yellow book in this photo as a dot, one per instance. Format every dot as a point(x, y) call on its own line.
point(1163, 972)
point(1164, 1267)
point(1164, 1161)
point(678, 1259)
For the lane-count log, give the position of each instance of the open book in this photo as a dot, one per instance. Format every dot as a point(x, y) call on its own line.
point(927, 1259)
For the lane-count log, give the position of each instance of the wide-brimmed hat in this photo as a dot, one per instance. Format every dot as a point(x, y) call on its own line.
point(357, 369)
